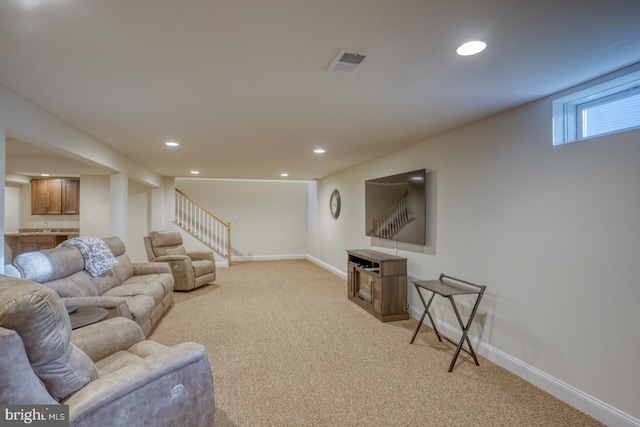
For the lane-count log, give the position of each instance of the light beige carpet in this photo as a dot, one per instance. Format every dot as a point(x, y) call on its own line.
point(287, 348)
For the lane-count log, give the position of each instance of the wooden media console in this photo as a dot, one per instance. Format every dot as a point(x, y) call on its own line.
point(377, 282)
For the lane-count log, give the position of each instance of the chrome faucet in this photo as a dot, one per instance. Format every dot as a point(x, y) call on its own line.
point(45, 227)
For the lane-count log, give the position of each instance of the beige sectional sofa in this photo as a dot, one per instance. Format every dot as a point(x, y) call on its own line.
point(139, 291)
point(107, 373)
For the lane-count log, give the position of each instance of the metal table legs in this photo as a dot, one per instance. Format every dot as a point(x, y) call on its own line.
point(448, 289)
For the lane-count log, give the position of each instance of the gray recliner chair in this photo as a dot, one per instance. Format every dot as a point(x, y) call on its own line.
point(107, 373)
point(190, 269)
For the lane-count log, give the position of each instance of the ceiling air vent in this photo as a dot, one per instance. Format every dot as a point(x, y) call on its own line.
point(346, 62)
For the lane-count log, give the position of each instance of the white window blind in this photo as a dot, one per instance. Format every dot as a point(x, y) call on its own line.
point(612, 114)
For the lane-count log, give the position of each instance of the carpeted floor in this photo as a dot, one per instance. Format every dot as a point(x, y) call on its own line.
point(287, 348)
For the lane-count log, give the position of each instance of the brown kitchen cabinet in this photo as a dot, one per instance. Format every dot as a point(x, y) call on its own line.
point(55, 197)
point(70, 197)
point(39, 242)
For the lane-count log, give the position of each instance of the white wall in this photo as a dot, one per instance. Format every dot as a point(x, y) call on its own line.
point(268, 218)
point(552, 231)
point(139, 218)
point(11, 207)
point(94, 206)
point(95, 212)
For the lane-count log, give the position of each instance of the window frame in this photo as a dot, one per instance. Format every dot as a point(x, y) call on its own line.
point(567, 110)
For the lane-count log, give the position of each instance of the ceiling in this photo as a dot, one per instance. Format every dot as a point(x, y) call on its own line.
point(243, 85)
point(30, 160)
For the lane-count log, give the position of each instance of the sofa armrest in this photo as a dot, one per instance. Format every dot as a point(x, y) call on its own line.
point(118, 305)
point(105, 338)
point(169, 387)
point(167, 258)
point(140, 268)
point(201, 256)
point(182, 269)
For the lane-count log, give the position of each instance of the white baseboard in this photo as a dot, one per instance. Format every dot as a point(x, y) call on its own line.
point(283, 257)
point(328, 267)
point(596, 408)
point(267, 257)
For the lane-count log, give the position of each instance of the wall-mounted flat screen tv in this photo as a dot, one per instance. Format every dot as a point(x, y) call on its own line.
point(396, 207)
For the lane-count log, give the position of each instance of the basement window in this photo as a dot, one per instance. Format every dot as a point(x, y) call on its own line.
point(603, 109)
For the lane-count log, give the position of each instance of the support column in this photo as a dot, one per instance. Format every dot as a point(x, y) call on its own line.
point(163, 204)
point(119, 192)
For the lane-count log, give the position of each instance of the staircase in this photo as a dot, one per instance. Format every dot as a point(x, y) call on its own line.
point(393, 219)
point(203, 225)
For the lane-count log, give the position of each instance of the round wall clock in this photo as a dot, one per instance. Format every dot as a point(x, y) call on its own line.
point(334, 204)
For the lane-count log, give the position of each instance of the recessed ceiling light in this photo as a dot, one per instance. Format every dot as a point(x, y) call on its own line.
point(284, 174)
point(195, 172)
point(319, 151)
point(471, 48)
point(171, 144)
point(44, 174)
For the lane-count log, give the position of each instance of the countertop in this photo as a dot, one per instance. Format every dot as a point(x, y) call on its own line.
point(74, 232)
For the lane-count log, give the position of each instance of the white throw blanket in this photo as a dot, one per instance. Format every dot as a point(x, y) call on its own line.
point(98, 258)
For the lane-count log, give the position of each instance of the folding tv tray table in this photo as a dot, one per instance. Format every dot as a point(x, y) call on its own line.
point(448, 287)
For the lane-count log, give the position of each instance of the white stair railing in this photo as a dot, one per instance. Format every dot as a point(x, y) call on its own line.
point(203, 225)
point(393, 219)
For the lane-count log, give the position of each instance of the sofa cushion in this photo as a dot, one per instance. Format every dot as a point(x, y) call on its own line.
point(50, 264)
point(201, 268)
point(167, 243)
point(124, 270)
point(68, 373)
point(116, 245)
point(20, 385)
point(167, 282)
point(131, 356)
point(134, 286)
point(78, 284)
point(140, 306)
point(38, 315)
